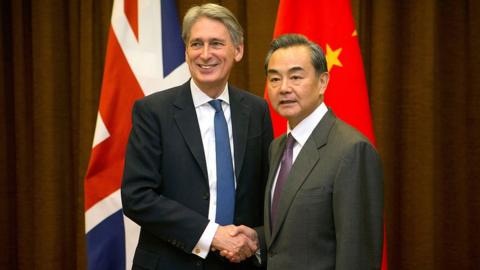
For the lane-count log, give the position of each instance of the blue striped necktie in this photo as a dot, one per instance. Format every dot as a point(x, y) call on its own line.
point(225, 179)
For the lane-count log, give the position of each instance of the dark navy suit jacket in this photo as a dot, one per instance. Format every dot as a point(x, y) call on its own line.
point(165, 186)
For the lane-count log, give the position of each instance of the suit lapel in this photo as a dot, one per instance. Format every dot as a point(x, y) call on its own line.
point(303, 165)
point(276, 151)
point(240, 117)
point(187, 122)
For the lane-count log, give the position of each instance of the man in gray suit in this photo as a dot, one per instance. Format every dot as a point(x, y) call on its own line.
point(324, 196)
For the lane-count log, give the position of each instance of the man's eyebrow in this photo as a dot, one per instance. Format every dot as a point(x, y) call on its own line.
point(272, 71)
point(295, 69)
point(217, 39)
point(208, 40)
point(194, 40)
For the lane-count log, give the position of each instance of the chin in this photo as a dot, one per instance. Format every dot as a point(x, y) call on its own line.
point(287, 112)
point(206, 79)
point(285, 115)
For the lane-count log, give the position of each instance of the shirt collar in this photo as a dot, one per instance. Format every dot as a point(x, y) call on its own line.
point(304, 129)
point(200, 98)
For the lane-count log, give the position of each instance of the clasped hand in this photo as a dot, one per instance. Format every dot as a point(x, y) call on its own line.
point(236, 243)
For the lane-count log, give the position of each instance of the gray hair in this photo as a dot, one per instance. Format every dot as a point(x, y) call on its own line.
point(214, 12)
point(290, 40)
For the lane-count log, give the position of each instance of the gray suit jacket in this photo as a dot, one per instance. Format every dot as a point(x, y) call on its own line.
point(331, 209)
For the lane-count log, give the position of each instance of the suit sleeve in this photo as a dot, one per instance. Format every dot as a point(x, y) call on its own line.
point(267, 137)
point(142, 199)
point(358, 209)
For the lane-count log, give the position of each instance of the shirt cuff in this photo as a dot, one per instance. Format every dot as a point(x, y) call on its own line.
point(258, 255)
point(203, 245)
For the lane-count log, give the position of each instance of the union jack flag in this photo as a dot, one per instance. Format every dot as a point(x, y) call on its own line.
point(145, 54)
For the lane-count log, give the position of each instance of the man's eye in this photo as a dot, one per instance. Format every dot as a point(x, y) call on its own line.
point(296, 78)
point(274, 79)
point(216, 44)
point(195, 44)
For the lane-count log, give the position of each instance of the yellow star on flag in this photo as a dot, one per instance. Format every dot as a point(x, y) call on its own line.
point(332, 57)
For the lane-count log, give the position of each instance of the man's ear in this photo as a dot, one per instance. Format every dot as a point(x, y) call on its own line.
point(323, 82)
point(238, 52)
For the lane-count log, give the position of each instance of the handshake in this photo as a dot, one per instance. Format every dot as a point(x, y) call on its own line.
point(236, 243)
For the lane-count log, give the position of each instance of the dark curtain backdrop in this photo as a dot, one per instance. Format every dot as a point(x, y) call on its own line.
point(422, 62)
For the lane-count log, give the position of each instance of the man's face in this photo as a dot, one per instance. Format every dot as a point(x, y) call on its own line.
point(210, 54)
point(294, 89)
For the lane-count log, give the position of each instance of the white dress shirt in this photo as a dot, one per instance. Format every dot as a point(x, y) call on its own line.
point(301, 133)
point(205, 115)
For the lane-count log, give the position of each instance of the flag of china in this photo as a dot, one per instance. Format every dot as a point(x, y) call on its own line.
point(330, 24)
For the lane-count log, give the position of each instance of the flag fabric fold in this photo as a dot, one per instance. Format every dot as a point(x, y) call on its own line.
point(145, 54)
point(330, 24)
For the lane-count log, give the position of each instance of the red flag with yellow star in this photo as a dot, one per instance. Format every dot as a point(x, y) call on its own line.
point(330, 24)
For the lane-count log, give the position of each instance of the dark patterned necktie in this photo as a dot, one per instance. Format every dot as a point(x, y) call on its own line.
point(285, 166)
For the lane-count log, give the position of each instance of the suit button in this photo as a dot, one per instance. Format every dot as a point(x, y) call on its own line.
point(198, 263)
point(206, 196)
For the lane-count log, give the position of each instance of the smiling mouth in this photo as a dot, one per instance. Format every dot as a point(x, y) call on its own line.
point(207, 66)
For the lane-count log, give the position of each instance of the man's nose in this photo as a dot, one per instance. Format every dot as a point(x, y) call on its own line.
point(205, 51)
point(285, 86)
